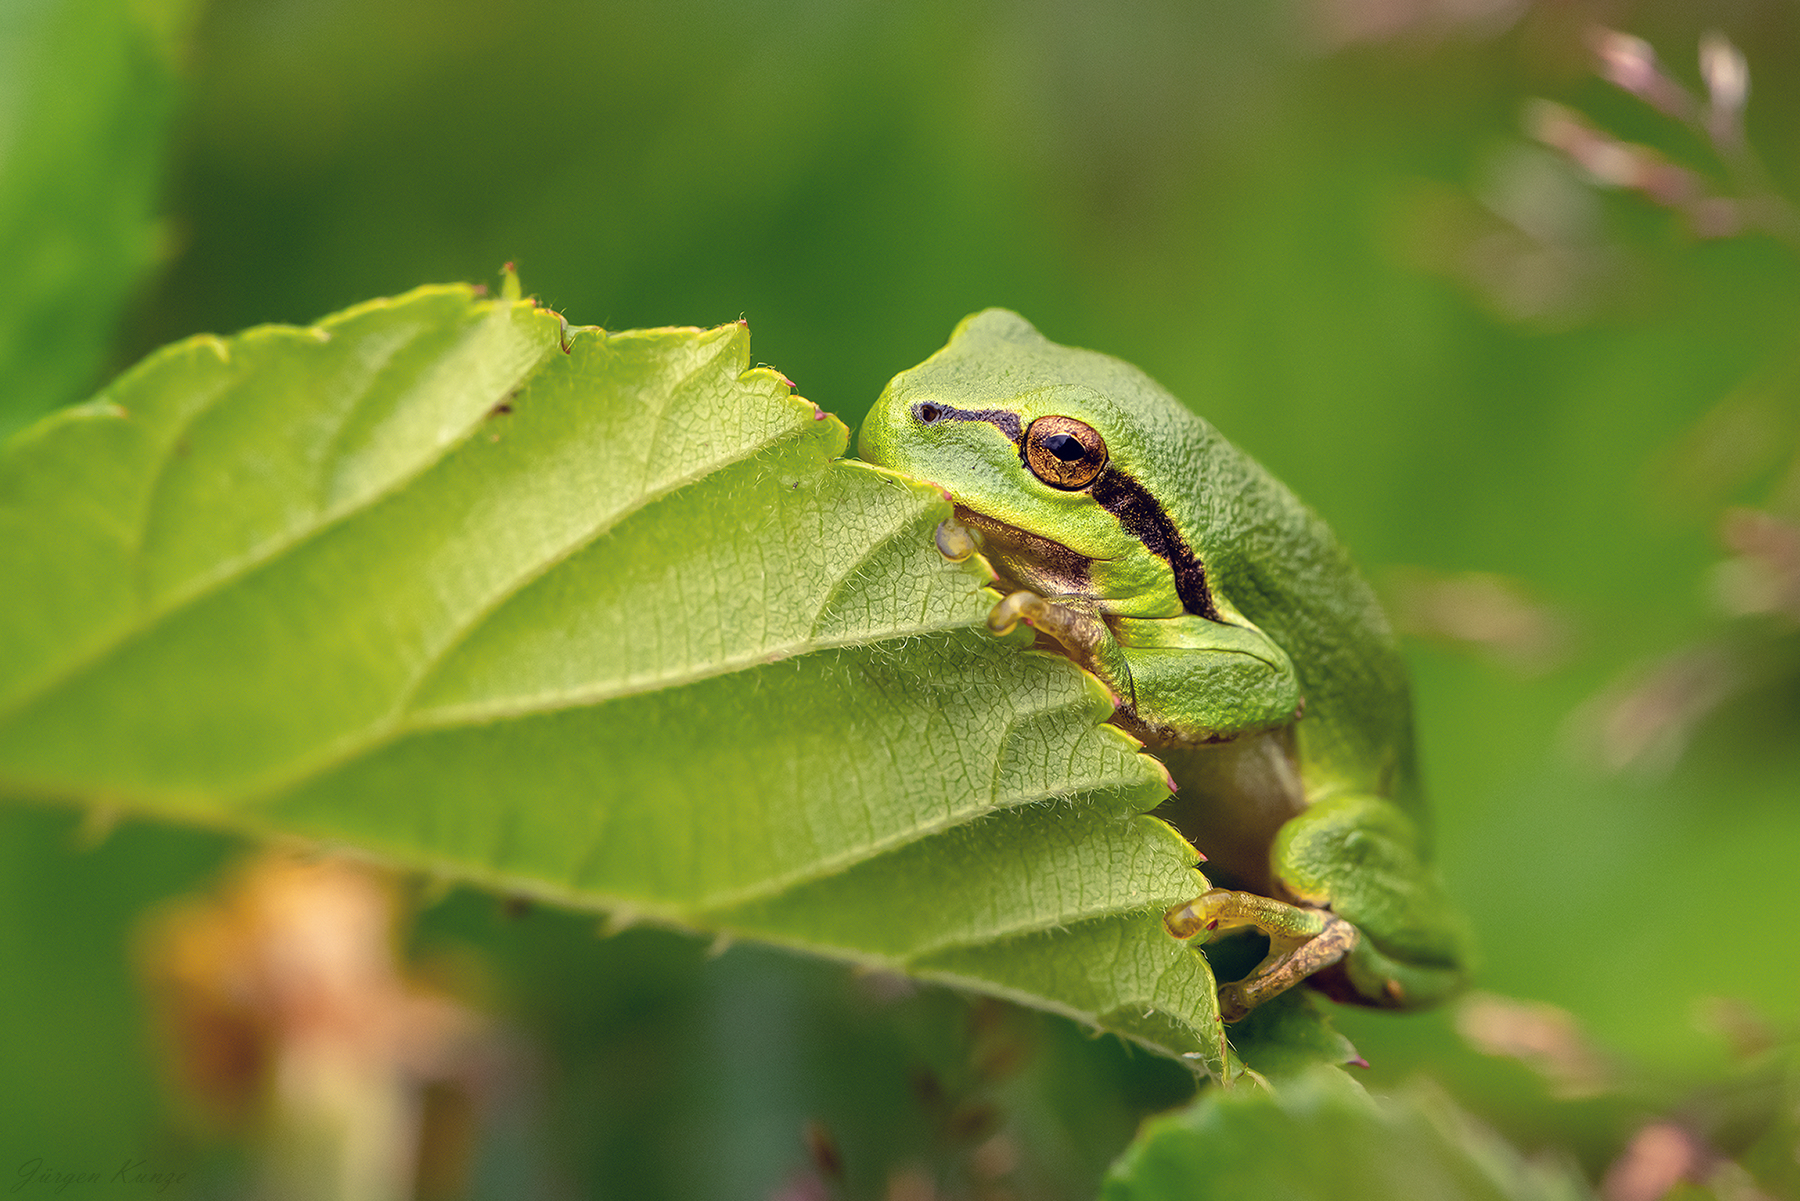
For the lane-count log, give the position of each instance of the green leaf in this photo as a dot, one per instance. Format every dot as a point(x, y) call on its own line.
point(1319, 1135)
point(86, 91)
point(1290, 1035)
point(615, 627)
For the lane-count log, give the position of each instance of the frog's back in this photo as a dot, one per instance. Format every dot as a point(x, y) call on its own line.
point(1275, 561)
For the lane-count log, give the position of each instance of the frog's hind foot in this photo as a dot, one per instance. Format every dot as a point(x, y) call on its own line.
point(1301, 941)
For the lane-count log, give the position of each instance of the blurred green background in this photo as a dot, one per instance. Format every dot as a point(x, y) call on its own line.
point(1324, 224)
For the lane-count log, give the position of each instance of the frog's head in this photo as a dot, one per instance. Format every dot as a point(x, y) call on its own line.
point(1053, 454)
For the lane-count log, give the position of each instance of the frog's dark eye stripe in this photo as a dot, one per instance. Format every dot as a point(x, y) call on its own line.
point(1071, 455)
point(1144, 519)
point(930, 412)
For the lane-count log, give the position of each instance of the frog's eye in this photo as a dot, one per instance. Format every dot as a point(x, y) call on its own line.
point(1064, 453)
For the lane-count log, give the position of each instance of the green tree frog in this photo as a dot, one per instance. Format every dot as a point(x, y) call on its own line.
point(1239, 643)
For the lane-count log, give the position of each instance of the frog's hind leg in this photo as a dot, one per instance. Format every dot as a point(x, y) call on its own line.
point(1371, 919)
point(1302, 940)
point(1359, 856)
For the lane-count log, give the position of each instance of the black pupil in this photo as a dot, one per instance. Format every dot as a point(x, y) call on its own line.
point(1066, 447)
point(929, 413)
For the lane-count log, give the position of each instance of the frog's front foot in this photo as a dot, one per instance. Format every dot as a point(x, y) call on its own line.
point(1074, 624)
point(1302, 940)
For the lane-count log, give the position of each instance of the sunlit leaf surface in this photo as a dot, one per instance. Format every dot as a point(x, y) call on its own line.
point(612, 625)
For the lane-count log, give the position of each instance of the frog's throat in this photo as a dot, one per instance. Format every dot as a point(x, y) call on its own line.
point(1023, 559)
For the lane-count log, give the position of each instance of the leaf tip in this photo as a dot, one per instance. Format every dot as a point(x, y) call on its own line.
point(1168, 778)
point(509, 282)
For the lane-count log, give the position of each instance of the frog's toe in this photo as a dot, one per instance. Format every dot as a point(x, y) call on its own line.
point(1023, 605)
point(955, 541)
point(1232, 1005)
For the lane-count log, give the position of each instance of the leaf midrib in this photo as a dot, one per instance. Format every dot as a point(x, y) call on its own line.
point(403, 720)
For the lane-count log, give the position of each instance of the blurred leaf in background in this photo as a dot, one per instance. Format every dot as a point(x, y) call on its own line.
point(87, 91)
point(1338, 1144)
